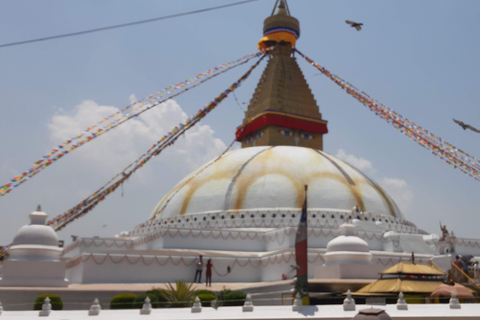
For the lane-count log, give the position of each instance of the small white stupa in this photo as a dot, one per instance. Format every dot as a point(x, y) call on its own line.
point(34, 256)
point(347, 257)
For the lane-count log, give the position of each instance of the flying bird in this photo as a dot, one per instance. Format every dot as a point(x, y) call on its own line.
point(465, 126)
point(355, 25)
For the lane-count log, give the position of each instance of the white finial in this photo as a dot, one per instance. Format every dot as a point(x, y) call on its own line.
point(401, 303)
point(248, 306)
point(147, 306)
point(38, 216)
point(349, 303)
point(95, 308)
point(281, 8)
point(454, 303)
point(46, 308)
point(197, 306)
point(297, 303)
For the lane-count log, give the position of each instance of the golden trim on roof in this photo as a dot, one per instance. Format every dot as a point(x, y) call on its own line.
point(412, 268)
point(399, 285)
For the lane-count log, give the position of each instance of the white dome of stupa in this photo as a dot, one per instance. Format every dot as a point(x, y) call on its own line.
point(274, 177)
point(35, 256)
point(36, 233)
point(35, 240)
point(347, 248)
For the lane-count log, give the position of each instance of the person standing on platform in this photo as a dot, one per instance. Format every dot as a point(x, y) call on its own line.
point(458, 274)
point(208, 273)
point(476, 272)
point(199, 268)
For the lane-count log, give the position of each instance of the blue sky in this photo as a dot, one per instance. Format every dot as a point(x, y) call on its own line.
point(420, 58)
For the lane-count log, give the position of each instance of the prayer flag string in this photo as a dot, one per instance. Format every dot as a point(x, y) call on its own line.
point(439, 147)
point(119, 118)
point(60, 221)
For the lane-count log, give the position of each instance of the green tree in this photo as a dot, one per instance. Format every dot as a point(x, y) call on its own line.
point(234, 298)
point(221, 295)
point(162, 302)
point(202, 291)
point(140, 300)
point(123, 301)
point(180, 295)
point(206, 298)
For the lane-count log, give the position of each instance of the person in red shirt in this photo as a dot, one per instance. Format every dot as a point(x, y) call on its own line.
point(458, 262)
point(208, 273)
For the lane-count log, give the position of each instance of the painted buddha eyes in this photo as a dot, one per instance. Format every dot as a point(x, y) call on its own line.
point(286, 133)
point(289, 133)
point(257, 135)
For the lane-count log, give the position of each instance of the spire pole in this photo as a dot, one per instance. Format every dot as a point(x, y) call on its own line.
point(286, 6)
point(274, 6)
point(301, 254)
point(283, 110)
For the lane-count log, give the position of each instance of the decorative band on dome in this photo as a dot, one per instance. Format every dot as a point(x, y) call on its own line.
point(282, 119)
point(283, 29)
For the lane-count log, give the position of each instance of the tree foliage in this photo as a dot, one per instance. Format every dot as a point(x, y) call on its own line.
point(123, 301)
point(140, 300)
point(179, 295)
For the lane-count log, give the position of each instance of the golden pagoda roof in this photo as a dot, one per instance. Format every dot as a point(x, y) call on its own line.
point(413, 268)
point(398, 285)
point(413, 278)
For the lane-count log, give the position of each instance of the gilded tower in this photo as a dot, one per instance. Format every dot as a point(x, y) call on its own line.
point(282, 110)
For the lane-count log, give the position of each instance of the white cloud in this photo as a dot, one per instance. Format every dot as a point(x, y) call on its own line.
point(359, 163)
point(132, 98)
point(397, 189)
point(114, 150)
point(400, 192)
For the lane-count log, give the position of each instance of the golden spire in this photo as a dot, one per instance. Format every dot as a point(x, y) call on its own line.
point(282, 110)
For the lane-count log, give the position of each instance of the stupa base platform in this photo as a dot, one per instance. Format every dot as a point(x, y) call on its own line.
point(81, 296)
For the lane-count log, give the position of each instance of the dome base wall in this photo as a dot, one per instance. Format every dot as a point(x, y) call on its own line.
point(348, 271)
point(33, 274)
